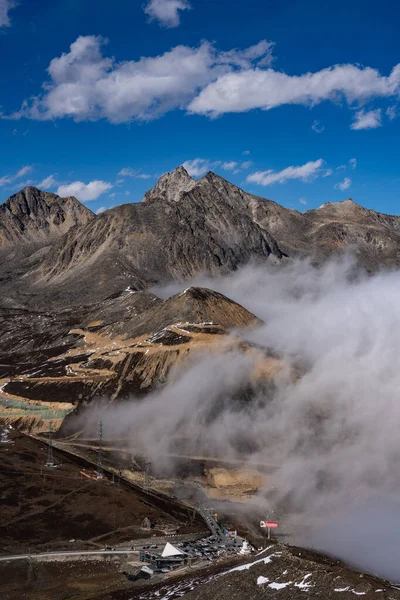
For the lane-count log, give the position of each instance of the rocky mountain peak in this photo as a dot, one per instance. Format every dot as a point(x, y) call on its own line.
point(344, 208)
point(171, 186)
point(32, 216)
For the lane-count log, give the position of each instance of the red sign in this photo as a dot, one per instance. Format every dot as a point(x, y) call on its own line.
point(269, 524)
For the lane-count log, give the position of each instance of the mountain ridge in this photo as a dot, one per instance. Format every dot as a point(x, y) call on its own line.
point(182, 228)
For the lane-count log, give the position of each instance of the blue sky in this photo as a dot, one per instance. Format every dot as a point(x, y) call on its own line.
point(297, 101)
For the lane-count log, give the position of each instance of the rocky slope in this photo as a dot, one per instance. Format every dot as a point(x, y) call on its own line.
point(279, 572)
point(123, 347)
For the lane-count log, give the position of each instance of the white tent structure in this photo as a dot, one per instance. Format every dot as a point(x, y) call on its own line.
point(170, 550)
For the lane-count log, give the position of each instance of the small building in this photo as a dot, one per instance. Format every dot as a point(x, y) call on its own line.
point(170, 558)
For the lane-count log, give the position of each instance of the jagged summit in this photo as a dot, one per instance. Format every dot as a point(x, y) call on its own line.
point(171, 186)
point(33, 216)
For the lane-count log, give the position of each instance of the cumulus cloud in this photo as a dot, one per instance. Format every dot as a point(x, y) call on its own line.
point(166, 12)
point(367, 119)
point(84, 191)
point(48, 183)
point(317, 127)
point(5, 7)
point(353, 163)
point(305, 172)
point(85, 85)
point(267, 88)
point(343, 185)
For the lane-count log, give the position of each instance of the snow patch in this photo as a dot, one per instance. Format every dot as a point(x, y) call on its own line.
point(341, 589)
point(261, 580)
point(279, 586)
point(303, 585)
point(248, 566)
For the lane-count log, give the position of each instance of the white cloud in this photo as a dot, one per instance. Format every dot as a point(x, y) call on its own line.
point(198, 166)
point(367, 119)
point(246, 152)
point(317, 127)
point(229, 166)
point(85, 85)
point(5, 6)
point(48, 183)
point(327, 173)
point(246, 164)
point(128, 172)
point(266, 88)
point(303, 201)
point(391, 112)
point(305, 172)
point(84, 192)
point(166, 12)
point(23, 171)
point(353, 163)
point(343, 185)
point(101, 210)
point(4, 180)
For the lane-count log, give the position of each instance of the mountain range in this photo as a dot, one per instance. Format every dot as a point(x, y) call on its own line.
point(78, 318)
point(183, 227)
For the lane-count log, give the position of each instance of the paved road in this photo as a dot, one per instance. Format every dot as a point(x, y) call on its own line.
point(59, 554)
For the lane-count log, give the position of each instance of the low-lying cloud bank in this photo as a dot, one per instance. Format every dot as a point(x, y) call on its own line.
point(333, 432)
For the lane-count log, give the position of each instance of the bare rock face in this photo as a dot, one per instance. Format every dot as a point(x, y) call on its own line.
point(35, 217)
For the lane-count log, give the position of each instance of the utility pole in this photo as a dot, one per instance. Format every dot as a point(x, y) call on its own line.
point(100, 453)
point(50, 458)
